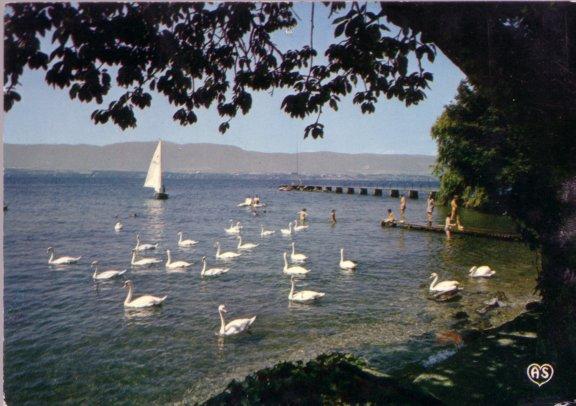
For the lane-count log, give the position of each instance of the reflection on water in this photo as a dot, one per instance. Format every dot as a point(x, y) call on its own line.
point(136, 315)
point(155, 218)
point(381, 311)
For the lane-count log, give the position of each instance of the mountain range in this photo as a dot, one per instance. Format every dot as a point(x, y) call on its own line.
point(207, 158)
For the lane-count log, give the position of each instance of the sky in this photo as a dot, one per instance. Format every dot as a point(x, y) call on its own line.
point(48, 116)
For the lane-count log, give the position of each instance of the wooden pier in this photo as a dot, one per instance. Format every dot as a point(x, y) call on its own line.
point(350, 190)
point(477, 232)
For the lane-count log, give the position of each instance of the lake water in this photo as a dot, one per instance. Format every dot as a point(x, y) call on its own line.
point(68, 339)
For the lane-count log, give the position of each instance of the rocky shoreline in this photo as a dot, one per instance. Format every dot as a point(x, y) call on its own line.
point(489, 368)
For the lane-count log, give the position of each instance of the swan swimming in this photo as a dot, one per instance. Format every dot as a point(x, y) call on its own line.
point(245, 246)
point(444, 286)
point(225, 255)
point(211, 271)
point(265, 233)
point(233, 229)
point(143, 261)
point(118, 226)
point(105, 275)
point(299, 227)
point(247, 202)
point(293, 270)
point(287, 231)
point(304, 295)
point(235, 326)
point(61, 260)
point(185, 243)
point(346, 264)
point(483, 271)
point(175, 264)
point(144, 247)
point(295, 257)
point(142, 301)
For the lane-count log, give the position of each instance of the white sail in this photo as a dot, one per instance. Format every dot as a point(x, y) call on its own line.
point(154, 177)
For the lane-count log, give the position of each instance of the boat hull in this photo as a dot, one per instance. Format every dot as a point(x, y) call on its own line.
point(160, 196)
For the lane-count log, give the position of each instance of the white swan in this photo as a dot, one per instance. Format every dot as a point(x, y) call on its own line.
point(118, 226)
point(235, 326)
point(105, 275)
point(346, 264)
point(287, 231)
point(142, 301)
point(175, 264)
point(144, 247)
point(295, 257)
point(299, 227)
point(247, 202)
point(61, 260)
point(293, 270)
point(225, 255)
point(143, 261)
point(483, 271)
point(185, 243)
point(211, 271)
point(233, 229)
point(245, 246)
point(304, 295)
point(265, 233)
point(444, 286)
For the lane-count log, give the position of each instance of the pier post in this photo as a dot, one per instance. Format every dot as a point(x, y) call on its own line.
point(363, 191)
point(394, 193)
point(350, 190)
point(377, 192)
point(413, 194)
point(338, 189)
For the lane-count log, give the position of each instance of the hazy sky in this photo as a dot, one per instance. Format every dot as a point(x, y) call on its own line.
point(46, 115)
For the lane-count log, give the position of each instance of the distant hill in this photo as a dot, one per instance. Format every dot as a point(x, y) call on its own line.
point(210, 158)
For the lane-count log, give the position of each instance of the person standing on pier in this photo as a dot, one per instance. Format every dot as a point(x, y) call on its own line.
point(430, 208)
point(402, 208)
point(454, 216)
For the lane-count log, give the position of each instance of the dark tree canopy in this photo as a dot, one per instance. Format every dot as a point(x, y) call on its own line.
point(199, 56)
point(477, 158)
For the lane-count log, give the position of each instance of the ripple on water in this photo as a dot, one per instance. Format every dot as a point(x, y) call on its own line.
point(68, 338)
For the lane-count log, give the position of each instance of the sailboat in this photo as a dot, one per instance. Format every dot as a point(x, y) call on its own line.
point(154, 177)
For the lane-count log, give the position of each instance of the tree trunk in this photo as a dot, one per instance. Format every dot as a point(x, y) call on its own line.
point(557, 280)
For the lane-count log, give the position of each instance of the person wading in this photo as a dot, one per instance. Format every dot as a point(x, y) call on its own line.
point(430, 208)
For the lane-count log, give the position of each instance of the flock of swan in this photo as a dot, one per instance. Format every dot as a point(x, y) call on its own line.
point(294, 268)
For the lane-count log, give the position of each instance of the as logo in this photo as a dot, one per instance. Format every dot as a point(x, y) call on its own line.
point(540, 374)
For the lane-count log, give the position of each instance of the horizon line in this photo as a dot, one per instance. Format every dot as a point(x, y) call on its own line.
point(216, 144)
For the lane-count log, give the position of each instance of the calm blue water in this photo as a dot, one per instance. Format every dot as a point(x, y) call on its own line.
point(68, 339)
